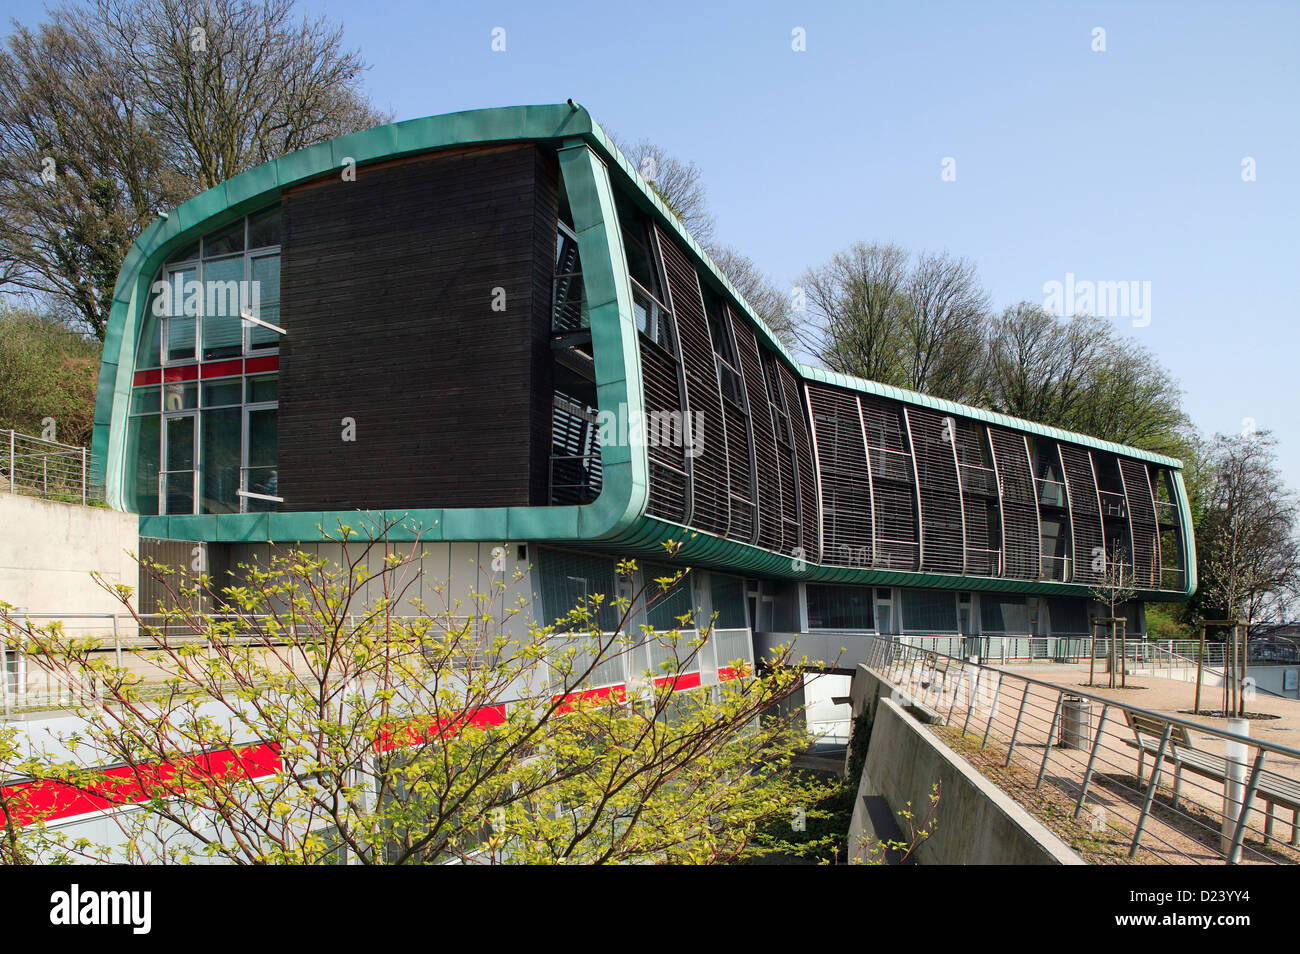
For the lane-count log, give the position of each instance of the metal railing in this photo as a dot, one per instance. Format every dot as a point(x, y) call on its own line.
point(1054, 568)
point(26, 687)
point(1116, 781)
point(1113, 504)
point(42, 468)
point(630, 656)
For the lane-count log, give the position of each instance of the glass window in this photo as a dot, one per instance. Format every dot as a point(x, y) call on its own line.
point(1004, 614)
point(143, 443)
point(146, 400)
point(665, 609)
point(263, 388)
point(728, 596)
point(179, 478)
point(223, 299)
point(839, 607)
point(262, 475)
point(264, 228)
point(265, 270)
point(180, 396)
point(221, 454)
point(929, 612)
point(224, 241)
point(180, 324)
point(223, 392)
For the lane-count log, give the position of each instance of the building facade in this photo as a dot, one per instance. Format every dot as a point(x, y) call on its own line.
point(486, 325)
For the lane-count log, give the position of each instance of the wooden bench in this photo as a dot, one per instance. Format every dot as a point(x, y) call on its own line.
point(1272, 789)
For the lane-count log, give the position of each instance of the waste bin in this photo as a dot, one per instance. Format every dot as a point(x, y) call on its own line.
point(1076, 722)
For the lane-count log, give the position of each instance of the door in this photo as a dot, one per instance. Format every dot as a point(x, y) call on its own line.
point(178, 478)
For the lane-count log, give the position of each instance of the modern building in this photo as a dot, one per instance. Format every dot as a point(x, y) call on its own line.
point(488, 324)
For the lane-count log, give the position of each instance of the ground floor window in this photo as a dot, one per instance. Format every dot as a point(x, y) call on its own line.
point(839, 607)
point(929, 611)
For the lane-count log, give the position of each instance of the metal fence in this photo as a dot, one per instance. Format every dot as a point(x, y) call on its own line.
point(1118, 782)
point(43, 468)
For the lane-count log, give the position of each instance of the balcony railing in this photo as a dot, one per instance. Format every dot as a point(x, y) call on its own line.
point(983, 561)
point(1166, 512)
point(1054, 568)
point(1113, 504)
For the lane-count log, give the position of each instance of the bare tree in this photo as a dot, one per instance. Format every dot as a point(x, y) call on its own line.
point(946, 328)
point(113, 112)
point(858, 312)
point(679, 184)
point(1249, 553)
point(762, 294)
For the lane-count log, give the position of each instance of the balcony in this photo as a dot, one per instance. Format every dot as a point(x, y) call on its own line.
point(983, 562)
point(1051, 493)
point(1054, 568)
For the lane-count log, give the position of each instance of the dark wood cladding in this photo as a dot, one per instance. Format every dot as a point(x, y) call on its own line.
point(1020, 532)
point(1142, 521)
point(841, 454)
point(942, 534)
point(710, 479)
point(1085, 514)
point(388, 287)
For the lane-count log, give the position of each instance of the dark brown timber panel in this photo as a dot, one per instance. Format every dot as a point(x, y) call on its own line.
point(389, 285)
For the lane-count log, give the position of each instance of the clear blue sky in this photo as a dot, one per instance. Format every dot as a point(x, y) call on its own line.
point(1116, 165)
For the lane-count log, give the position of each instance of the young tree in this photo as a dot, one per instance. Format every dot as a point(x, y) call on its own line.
point(116, 110)
point(1115, 587)
point(314, 725)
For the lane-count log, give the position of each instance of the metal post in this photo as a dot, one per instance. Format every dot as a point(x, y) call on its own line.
point(1015, 729)
point(1200, 669)
point(1239, 835)
point(117, 643)
point(83, 475)
point(1051, 734)
point(1092, 760)
point(992, 709)
point(1151, 789)
point(13, 462)
point(970, 702)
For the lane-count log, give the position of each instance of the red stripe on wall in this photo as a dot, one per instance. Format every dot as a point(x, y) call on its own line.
point(262, 365)
point(51, 800)
point(144, 378)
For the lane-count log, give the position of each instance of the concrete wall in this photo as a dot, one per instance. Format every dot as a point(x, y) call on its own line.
point(48, 550)
point(976, 824)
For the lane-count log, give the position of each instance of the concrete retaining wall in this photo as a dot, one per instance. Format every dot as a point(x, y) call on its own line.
point(48, 550)
point(976, 823)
